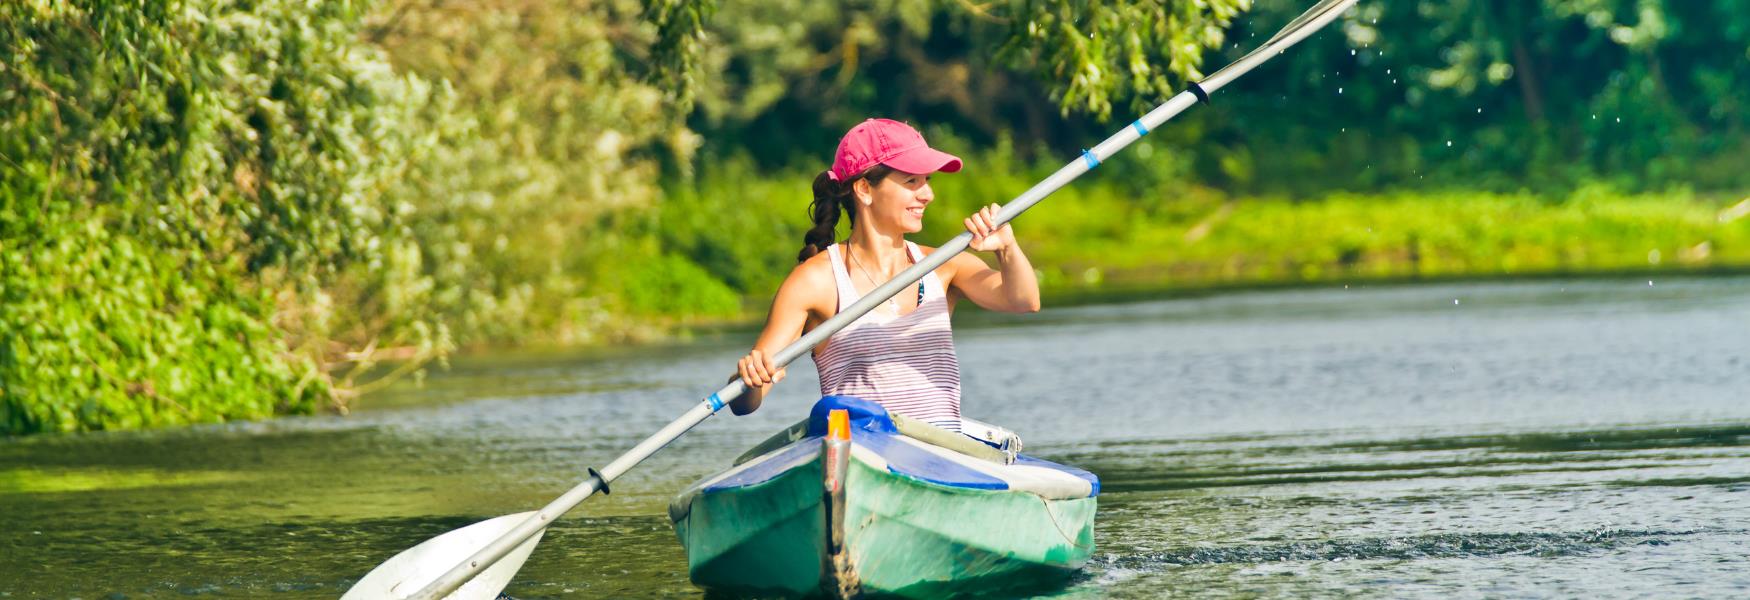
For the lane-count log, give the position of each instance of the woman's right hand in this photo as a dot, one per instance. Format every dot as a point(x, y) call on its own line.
point(759, 372)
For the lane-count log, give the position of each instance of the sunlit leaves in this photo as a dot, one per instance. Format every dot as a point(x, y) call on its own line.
point(1090, 55)
point(177, 174)
point(680, 26)
point(1093, 54)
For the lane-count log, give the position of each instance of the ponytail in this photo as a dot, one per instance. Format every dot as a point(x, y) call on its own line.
point(829, 198)
point(824, 213)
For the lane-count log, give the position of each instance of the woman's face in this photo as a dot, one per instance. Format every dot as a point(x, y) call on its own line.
point(897, 202)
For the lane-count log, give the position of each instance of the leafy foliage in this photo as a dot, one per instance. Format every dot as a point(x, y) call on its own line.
point(1500, 94)
point(680, 27)
point(524, 217)
point(176, 172)
point(213, 209)
point(1548, 94)
point(787, 75)
point(1091, 53)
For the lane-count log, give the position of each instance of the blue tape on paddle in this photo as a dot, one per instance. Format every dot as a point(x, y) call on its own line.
point(716, 403)
point(1139, 127)
point(1088, 156)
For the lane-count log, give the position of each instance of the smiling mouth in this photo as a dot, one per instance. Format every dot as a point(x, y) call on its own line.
point(916, 212)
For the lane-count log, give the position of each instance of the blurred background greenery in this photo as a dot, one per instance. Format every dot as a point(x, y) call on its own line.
point(223, 209)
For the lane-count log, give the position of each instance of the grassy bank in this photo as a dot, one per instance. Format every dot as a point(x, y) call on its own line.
point(739, 231)
point(1215, 240)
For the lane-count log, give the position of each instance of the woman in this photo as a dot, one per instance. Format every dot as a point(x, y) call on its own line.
point(901, 354)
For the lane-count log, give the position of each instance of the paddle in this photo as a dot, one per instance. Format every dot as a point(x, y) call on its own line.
point(484, 556)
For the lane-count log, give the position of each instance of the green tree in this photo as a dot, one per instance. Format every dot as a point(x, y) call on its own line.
point(1507, 93)
point(181, 182)
point(1529, 93)
point(789, 73)
point(526, 215)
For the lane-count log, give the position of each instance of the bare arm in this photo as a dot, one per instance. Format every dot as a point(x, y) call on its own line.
point(1012, 286)
point(805, 294)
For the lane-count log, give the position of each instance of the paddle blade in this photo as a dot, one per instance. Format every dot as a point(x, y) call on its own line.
point(415, 567)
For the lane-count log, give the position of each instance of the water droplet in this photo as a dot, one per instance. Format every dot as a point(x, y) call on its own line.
point(1448, 143)
point(1339, 91)
point(1619, 119)
point(1388, 71)
point(1649, 283)
point(1455, 302)
point(1479, 111)
point(1351, 52)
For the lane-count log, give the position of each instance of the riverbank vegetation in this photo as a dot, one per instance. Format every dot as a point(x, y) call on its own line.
point(214, 210)
point(1105, 231)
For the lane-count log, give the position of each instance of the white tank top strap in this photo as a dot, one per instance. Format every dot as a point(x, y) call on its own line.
point(932, 283)
point(841, 277)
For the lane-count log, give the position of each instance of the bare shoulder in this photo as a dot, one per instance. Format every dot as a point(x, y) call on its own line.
point(817, 270)
point(810, 283)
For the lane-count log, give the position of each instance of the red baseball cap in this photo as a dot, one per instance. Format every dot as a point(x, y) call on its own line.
point(891, 143)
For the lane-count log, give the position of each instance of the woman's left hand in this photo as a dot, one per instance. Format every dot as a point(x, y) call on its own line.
point(986, 238)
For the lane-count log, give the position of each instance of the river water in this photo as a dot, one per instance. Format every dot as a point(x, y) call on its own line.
point(1542, 439)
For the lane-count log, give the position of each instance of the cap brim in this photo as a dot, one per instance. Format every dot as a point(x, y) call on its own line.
point(924, 160)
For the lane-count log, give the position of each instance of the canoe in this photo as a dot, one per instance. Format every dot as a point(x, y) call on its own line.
point(876, 504)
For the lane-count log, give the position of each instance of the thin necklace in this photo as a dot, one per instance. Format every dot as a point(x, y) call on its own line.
point(893, 301)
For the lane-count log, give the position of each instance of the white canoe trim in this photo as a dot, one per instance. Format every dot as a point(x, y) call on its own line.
point(868, 457)
point(798, 460)
point(1047, 483)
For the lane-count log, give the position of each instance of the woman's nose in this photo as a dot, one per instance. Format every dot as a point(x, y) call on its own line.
point(926, 194)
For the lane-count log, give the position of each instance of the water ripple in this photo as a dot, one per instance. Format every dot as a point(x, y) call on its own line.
point(1469, 545)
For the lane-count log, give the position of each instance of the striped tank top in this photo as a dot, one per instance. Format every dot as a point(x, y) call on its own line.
point(904, 362)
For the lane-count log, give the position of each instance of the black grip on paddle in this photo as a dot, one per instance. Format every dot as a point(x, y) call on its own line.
point(1197, 90)
point(598, 476)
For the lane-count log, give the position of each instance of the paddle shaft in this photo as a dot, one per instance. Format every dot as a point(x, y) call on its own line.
point(1090, 158)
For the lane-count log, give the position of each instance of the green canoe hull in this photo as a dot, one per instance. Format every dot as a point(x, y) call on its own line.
point(903, 536)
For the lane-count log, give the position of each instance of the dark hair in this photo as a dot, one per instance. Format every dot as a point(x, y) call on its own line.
point(829, 198)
